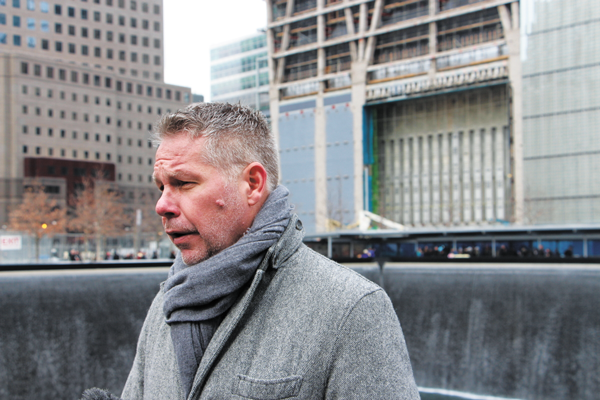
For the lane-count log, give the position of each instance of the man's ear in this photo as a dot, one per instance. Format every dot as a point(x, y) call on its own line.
point(254, 179)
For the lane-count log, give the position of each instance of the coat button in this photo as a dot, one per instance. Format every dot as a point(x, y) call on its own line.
point(299, 225)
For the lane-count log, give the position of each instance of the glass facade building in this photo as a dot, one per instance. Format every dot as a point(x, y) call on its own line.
point(239, 73)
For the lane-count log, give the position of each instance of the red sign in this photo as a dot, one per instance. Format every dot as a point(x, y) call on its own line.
point(12, 242)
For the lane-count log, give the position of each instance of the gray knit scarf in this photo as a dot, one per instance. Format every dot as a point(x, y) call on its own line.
point(197, 296)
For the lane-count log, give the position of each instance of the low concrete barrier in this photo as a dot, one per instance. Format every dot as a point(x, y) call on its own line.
point(522, 331)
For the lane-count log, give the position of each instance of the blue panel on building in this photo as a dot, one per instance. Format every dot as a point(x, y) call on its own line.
point(297, 153)
point(298, 106)
point(340, 163)
point(342, 98)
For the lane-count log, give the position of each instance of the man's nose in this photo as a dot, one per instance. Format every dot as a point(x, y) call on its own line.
point(166, 206)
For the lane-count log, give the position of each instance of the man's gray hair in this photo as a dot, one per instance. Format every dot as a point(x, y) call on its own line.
point(235, 137)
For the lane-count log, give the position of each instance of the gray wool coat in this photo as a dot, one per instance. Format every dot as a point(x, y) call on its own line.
point(306, 328)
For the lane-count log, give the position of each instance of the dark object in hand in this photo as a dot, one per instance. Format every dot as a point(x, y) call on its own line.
point(98, 394)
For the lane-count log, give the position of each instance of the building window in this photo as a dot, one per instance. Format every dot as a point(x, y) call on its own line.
point(97, 34)
point(121, 20)
point(71, 12)
point(74, 116)
point(86, 154)
point(96, 80)
point(57, 28)
point(107, 156)
point(119, 89)
point(140, 91)
point(108, 82)
point(84, 14)
point(72, 48)
point(109, 18)
point(145, 24)
point(121, 38)
point(74, 134)
point(133, 22)
point(62, 154)
point(24, 109)
point(24, 149)
point(31, 24)
point(84, 32)
point(63, 133)
point(50, 113)
point(16, 40)
point(58, 46)
point(109, 54)
point(44, 7)
point(134, 39)
point(149, 93)
point(31, 5)
point(156, 9)
point(74, 76)
point(156, 60)
point(62, 74)
point(86, 81)
point(96, 16)
point(122, 55)
point(84, 50)
point(38, 150)
point(16, 21)
point(134, 57)
point(50, 132)
point(97, 52)
point(24, 68)
point(97, 137)
point(25, 130)
point(157, 26)
point(58, 9)
point(49, 72)
point(38, 130)
point(109, 36)
point(51, 169)
point(133, 5)
point(71, 30)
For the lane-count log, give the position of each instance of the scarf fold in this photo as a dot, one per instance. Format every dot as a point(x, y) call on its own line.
point(197, 296)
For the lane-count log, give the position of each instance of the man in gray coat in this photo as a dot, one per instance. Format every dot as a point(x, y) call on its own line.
point(248, 311)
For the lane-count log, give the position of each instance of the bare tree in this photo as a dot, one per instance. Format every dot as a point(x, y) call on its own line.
point(98, 212)
point(152, 222)
point(38, 215)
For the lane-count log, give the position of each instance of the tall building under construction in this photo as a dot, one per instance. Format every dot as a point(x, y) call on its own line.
point(413, 109)
point(408, 109)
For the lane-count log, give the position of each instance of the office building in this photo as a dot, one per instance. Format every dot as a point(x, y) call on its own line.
point(239, 73)
point(82, 86)
point(408, 109)
point(561, 111)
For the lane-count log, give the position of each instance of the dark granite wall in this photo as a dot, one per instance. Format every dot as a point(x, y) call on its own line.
point(528, 333)
point(62, 333)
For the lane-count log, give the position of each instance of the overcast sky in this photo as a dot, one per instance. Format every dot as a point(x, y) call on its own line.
point(192, 27)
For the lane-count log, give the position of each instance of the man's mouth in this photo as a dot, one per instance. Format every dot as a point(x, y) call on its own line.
point(179, 236)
